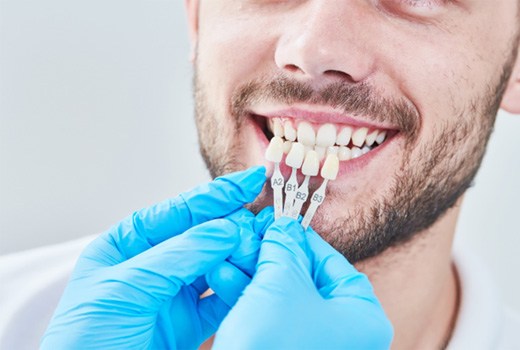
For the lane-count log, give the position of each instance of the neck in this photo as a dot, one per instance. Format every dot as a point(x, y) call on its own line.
point(417, 286)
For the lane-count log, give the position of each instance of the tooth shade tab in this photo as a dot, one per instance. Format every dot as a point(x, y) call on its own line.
point(315, 201)
point(287, 146)
point(311, 164)
point(344, 136)
point(289, 130)
point(330, 168)
point(306, 134)
point(274, 151)
point(326, 136)
point(359, 136)
point(321, 151)
point(295, 157)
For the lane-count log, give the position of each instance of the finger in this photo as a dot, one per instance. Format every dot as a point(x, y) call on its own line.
point(263, 220)
point(158, 273)
point(246, 255)
point(230, 278)
point(200, 285)
point(150, 226)
point(212, 311)
point(283, 263)
point(333, 274)
point(228, 282)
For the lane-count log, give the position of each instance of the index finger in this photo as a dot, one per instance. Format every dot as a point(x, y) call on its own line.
point(151, 226)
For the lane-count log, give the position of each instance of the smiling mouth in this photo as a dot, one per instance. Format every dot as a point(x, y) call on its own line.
point(346, 141)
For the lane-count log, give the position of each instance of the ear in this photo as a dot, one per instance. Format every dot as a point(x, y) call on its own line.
point(511, 99)
point(192, 10)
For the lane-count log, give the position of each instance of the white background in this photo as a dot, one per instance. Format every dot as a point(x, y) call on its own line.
point(96, 122)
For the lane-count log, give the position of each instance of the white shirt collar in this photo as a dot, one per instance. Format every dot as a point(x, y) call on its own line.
point(480, 316)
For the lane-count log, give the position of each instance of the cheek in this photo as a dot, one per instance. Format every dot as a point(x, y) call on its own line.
point(230, 54)
point(438, 77)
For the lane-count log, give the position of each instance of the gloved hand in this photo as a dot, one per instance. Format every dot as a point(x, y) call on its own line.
point(138, 285)
point(304, 295)
point(229, 278)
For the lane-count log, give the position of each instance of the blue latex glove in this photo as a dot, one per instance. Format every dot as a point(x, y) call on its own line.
point(138, 285)
point(304, 295)
point(229, 278)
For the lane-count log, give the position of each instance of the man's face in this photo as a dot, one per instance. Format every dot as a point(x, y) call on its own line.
point(428, 74)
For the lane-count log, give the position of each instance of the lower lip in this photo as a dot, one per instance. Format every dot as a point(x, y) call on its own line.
point(345, 167)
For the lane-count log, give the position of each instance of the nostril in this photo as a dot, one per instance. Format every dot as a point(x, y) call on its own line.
point(339, 74)
point(293, 68)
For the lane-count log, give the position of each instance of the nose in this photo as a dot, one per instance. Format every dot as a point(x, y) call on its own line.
point(326, 38)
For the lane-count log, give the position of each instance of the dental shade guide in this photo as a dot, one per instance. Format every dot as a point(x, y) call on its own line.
point(331, 142)
point(295, 160)
point(310, 167)
point(329, 172)
point(274, 153)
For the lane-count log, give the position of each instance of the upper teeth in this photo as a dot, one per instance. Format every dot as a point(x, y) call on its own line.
point(306, 134)
point(359, 136)
point(328, 138)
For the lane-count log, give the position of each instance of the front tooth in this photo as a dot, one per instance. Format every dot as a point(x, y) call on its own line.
point(330, 168)
point(365, 150)
point(321, 152)
point(306, 134)
point(381, 137)
point(332, 150)
point(289, 131)
point(344, 136)
point(344, 153)
point(274, 151)
point(371, 138)
point(311, 164)
point(326, 136)
point(359, 136)
point(295, 157)
point(287, 146)
point(356, 152)
point(276, 127)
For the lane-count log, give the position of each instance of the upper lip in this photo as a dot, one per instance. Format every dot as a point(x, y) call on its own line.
point(320, 115)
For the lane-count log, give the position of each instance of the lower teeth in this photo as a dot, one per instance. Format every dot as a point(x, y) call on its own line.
point(344, 153)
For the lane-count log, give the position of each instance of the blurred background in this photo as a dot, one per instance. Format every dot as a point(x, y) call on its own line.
point(96, 122)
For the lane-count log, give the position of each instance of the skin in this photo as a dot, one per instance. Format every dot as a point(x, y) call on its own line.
point(450, 61)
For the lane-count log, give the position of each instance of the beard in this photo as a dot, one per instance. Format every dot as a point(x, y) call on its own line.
point(429, 181)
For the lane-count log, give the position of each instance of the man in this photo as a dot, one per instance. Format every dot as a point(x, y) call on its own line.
point(430, 75)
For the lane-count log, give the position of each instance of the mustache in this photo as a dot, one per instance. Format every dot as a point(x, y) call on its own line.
point(350, 98)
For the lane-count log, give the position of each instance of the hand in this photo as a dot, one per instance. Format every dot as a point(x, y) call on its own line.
point(304, 295)
point(138, 285)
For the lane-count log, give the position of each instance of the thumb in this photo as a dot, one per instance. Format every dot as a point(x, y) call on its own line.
point(283, 261)
point(228, 282)
point(334, 275)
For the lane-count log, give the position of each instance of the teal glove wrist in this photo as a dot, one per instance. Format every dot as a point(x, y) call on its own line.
point(304, 295)
point(138, 285)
